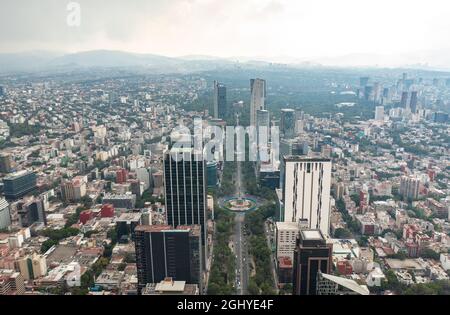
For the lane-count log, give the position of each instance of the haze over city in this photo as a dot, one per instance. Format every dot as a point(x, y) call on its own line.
point(342, 33)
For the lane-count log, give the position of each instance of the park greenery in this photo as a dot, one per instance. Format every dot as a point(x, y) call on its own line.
point(222, 273)
point(262, 282)
point(55, 236)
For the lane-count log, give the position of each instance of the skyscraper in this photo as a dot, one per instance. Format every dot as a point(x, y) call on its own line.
point(258, 98)
point(376, 92)
point(19, 184)
point(220, 100)
point(368, 93)
point(287, 123)
point(311, 256)
point(5, 216)
point(306, 191)
point(162, 251)
point(413, 102)
point(363, 81)
point(404, 100)
point(379, 113)
point(263, 120)
point(185, 181)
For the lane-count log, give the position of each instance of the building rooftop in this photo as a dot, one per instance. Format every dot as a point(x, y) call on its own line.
point(194, 229)
point(168, 286)
point(17, 174)
point(301, 158)
point(129, 217)
point(348, 284)
point(291, 226)
point(311, 235)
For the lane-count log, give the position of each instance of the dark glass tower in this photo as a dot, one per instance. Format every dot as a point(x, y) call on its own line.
point(162, 251)
point(311, 255)
point(288, 123)
point(220, 100)
point(413, 102)
point(185, 181)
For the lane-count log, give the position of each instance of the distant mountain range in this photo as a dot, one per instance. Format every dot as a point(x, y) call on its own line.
point(43, 60)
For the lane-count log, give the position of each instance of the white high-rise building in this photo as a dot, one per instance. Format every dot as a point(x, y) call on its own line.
point(306, 186)
point(379, 113)
point(258, 98)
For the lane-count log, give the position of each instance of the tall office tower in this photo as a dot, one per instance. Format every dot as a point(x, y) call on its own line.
point(185, 181)
point(263, 120)
point(5, 216)
point(306, 191)
point(311, 256)
point(162, 251)
point(379, 113)
point(220, 100)
point(19, 184)
point(409, 187)
point(2, 91)
point(368, 93)
point(404, 100)
point(5, 163)
point(287, 123)
point(258, 98)
point(363, 81)
point(376, 92)
point(413, 102)
point(386, 97)
point(404, 76)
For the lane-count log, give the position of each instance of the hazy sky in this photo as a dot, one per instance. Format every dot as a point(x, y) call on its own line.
point(297, 28)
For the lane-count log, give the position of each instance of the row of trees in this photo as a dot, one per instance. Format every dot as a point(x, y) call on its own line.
point(262, 282)
point(222, 274)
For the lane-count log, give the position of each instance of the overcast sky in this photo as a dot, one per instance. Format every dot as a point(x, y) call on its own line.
point(225, 28)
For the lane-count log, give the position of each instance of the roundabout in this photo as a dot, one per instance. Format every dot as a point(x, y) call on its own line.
point(239, 204)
